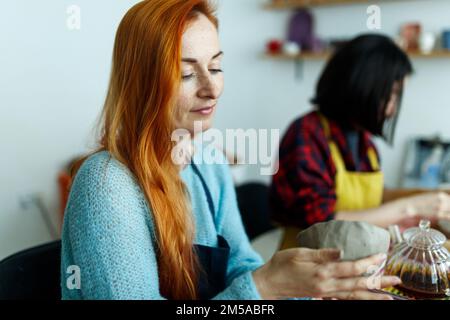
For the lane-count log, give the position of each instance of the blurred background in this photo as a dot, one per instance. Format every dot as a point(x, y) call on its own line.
point(54, 74)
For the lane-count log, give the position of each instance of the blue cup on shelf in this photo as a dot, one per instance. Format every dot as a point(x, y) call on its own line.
point(446, 39)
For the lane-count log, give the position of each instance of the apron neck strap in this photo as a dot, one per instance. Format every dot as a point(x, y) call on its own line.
point(325, 126)
point(208, 194)
point(373, 158)
point(336, 154)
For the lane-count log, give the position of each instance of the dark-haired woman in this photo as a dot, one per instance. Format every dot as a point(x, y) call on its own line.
point(329, 166)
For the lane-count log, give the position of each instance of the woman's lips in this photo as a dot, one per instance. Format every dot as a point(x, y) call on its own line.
point(204, 111)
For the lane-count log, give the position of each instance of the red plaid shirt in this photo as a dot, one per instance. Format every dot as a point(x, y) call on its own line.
point(303, 191)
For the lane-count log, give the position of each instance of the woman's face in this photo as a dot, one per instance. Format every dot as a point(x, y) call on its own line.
point(391, 108)
point(202, 78)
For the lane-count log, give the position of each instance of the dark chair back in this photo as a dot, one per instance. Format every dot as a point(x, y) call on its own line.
point(32, 274)
point(253, 201)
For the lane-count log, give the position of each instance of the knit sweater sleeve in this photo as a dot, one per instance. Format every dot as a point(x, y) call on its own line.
point(110, 235)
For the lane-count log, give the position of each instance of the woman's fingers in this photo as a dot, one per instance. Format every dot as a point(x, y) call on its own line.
point(361, 283)
point(444, 206)
point(429, 205)
point(409, 223)
point(318, 256)
point(350, 269)
point(435, 205)
point(360, 295)
point(443, 216)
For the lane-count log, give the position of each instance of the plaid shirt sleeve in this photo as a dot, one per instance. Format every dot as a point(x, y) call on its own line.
point(303, 190)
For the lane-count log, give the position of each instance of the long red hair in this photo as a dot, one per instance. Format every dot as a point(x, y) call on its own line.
point(137, 123)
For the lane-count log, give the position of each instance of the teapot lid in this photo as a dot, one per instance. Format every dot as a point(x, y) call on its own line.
point(423, 237)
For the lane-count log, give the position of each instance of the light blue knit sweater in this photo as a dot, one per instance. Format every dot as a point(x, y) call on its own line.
point(109, 234)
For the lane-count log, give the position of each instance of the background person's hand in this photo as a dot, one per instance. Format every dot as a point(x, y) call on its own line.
point(301, 272)
point(432, 206)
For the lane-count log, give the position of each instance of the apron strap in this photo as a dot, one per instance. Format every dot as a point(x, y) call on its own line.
point(209, 197)
point(336, 154)
point(214, 261)
point(373, 158)
point(337, 158)
point(325, 126)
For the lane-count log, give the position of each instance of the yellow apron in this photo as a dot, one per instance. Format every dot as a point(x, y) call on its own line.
point(354, 190)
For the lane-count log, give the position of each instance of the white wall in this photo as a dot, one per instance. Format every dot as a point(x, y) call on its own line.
point(53, 81)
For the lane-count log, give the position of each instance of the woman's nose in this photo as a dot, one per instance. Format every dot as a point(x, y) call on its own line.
point(209, 88)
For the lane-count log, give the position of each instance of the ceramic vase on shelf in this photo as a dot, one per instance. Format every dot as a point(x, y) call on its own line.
point(427, 42)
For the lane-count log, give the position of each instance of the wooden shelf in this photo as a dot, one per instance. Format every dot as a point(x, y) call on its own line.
point(295, 4)
point(438, 54)
point(301, 56)
point(435, 54)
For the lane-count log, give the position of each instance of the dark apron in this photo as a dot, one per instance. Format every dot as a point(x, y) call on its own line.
point(213, 261)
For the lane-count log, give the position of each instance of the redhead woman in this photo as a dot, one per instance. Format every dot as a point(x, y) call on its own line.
point(140, 226)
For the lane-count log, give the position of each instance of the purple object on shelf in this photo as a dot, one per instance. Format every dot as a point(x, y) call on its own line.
point(301, 31)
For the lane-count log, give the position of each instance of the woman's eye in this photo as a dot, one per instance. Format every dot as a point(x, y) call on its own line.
point(187, 76)
point(215, 71)
point(193, 75)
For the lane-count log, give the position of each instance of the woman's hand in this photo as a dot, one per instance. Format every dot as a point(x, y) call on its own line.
point(405, 212)
point(300, 272)
point(432, 206)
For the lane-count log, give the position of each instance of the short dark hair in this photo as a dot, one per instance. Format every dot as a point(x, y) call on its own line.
point(357, 82)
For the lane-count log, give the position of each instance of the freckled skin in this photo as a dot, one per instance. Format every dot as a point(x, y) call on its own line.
point(200, 42)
